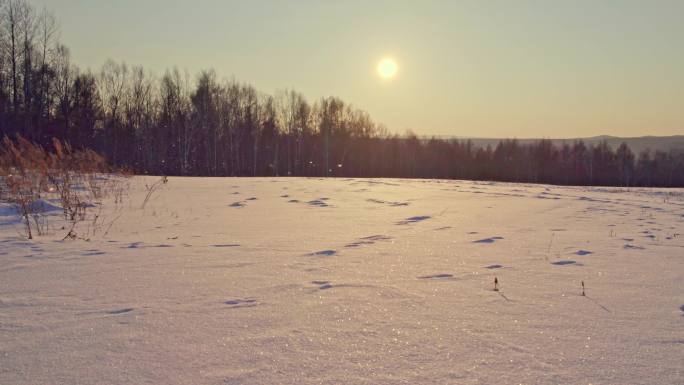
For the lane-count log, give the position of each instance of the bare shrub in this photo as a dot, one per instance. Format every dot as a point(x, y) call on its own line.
point(79, 179)
point(152, 188)
point(24, 177)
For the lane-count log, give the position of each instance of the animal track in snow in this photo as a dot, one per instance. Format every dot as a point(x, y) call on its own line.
point(93, 252)
point(318, 203)
point(324, 253)
point(488, 240)
point(377, 238)
point(368, 240)
point(437, 276)
point(322, 285)
point(415, 219)
point(565, 262)
point(241, 302)
point(359, 243)
point(388, 203)
point(120, 311)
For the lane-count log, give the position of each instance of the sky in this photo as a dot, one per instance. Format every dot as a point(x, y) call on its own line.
point(524, 68)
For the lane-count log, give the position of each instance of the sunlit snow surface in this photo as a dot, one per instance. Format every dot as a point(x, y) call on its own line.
point(352, 281)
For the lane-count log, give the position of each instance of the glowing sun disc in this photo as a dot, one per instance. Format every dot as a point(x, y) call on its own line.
point(387, 68)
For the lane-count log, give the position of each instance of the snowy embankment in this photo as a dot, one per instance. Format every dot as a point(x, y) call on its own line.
point(308, 281)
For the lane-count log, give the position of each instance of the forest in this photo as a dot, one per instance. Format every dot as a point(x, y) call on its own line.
point(200, 125)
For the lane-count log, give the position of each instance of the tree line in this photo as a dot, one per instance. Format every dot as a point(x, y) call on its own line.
point(178, 124)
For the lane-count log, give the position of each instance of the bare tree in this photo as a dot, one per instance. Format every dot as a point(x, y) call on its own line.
point(112, 89)
point(28, 28)
point(48, 31)
point(10, 22)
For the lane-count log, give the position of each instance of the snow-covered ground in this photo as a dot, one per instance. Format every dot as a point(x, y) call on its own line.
point(351, 281)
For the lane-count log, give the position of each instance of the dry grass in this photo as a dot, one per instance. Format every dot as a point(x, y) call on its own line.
point(77, 179)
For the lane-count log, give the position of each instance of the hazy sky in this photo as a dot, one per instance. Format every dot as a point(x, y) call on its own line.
point(466, 68)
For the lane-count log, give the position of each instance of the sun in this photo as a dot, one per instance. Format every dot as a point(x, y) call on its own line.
point(387, 68)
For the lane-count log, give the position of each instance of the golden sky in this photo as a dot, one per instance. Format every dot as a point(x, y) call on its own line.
point(465, 68)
